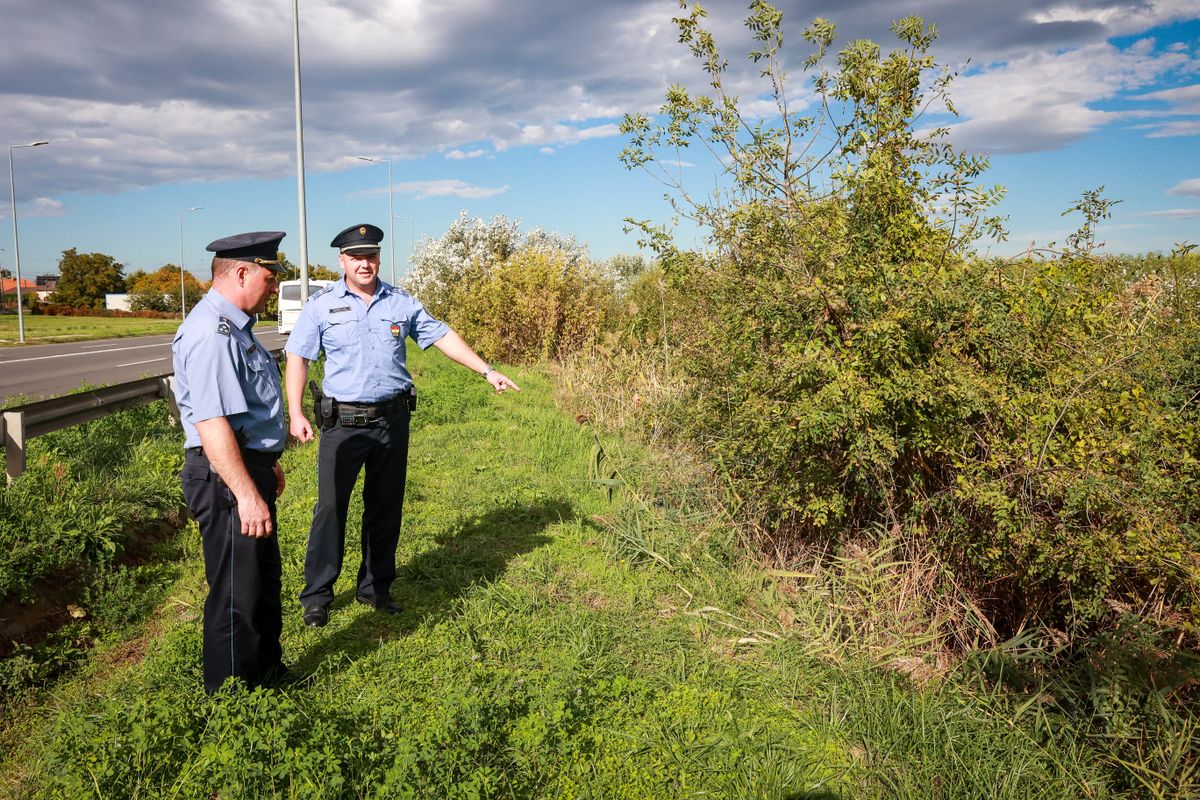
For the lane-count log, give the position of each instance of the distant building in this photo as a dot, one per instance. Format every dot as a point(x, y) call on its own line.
point(9, 285)
point(117, 302)
point(8, 290)
point(46, 283)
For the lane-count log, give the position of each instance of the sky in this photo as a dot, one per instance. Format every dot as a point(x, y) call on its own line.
point(156, 106)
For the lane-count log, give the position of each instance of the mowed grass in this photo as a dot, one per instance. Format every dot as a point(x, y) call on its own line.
point(555, 643)
point(42, 330)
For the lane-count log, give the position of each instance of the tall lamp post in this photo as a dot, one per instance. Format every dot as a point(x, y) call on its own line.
point(16, 245)
point(411, 241)
point(300, 154)
point(182, 290)
point(387, 161)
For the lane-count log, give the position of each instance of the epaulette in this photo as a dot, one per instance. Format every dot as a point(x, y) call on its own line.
point(322, 291)
point(223, 326)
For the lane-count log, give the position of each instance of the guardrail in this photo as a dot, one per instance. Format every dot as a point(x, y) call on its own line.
point(22, 423)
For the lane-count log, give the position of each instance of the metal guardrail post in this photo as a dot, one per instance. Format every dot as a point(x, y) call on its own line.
point(14, 443)
point(167, 389)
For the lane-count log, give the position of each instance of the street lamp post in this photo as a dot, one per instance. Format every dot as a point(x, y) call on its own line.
point(182, 290)
point(411, 240)
point(300, 153)
point(16, 245)
point(392, 238)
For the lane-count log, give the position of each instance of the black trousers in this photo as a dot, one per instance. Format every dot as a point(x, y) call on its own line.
point(381, 449)
point(243, 616)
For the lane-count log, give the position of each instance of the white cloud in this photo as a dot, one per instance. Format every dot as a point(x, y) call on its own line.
point(597, 132)
point(547, 151)
point(1172, 213)
point(1186, 99)
point(447, 188)
point(1043, 101)
point(1179, 128)
point(1072, 13)
point(152, 101)
point(1191, 186)
point(46, 207)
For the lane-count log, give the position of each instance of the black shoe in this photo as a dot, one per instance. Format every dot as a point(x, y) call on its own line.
point(316, 616)
point(280, 677)
point(385, 604)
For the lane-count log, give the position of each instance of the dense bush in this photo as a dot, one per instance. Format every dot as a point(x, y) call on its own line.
point(532, 307)
point(514, 297)
point(58, 310)
point(850, 366)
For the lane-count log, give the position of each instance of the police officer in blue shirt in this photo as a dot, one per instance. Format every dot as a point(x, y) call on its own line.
point(230, 403)
point(361, 323)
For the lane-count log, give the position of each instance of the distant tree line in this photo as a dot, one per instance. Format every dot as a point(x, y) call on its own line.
point(85, 279)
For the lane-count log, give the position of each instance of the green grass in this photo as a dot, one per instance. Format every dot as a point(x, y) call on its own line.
point(554, 644)
point(86, 489)
point(42, 330)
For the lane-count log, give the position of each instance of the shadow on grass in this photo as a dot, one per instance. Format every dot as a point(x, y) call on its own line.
point(429, 585)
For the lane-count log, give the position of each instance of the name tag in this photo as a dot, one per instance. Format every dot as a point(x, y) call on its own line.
point(339, 310)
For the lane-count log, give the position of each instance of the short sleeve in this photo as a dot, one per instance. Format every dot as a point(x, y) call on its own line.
point(213, 385)
point(425, 330)
point(305, 338)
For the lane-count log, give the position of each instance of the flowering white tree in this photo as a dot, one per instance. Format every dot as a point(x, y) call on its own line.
point(472, 250)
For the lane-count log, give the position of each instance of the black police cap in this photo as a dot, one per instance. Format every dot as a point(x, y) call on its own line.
point(258, 247)
point(358, 239)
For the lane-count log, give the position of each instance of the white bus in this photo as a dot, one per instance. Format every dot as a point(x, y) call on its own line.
point(289, 301)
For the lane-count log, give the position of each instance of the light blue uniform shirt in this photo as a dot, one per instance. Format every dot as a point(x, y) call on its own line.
point(363, 342)
point(221, 370)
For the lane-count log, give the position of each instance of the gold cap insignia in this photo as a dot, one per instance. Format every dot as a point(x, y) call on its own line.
point(362, 230)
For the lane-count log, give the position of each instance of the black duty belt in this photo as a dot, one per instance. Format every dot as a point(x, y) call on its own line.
point(356, 414)
point(265, 458)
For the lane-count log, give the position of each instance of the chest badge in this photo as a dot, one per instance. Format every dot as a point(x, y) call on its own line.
point(395, 331)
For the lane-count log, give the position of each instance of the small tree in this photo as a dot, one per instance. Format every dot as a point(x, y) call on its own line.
point(86, 277)
point(159, 290)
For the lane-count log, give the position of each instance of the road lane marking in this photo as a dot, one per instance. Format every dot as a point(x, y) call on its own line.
point(147, 361)
point(85, 353)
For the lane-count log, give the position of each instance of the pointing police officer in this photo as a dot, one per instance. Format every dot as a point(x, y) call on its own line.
point(361, 323)
point(230, 403)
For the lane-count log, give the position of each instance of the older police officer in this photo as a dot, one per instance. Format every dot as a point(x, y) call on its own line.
point(361, 323)
point(228, 392)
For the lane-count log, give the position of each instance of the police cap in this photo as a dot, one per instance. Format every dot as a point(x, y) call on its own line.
point(358, 239)
point(257, 247)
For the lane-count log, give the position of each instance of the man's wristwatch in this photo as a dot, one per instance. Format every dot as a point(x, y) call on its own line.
point(487, 369)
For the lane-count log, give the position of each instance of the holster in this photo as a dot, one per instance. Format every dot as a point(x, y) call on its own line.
point(323, 407)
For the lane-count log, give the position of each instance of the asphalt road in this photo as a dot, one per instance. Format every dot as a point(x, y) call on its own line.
point(47, 370)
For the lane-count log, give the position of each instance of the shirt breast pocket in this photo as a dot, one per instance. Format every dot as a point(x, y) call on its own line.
point(263, 371)
point(341, 332)
point(391, 332)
